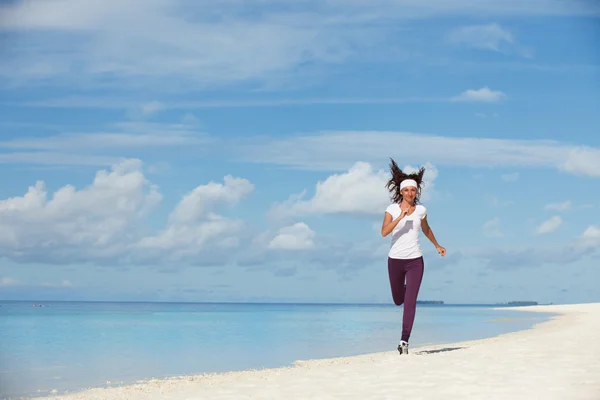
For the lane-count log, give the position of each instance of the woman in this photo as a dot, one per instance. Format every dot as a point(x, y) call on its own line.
point(403, 219)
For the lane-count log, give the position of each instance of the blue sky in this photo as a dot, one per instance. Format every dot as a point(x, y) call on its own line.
point(238, 151)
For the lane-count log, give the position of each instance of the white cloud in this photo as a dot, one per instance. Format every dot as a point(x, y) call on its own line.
point(188, 241)
point(360, 190)
point(484, 95)
point(338, 151)
point(592, 232)
point(200, 201)
point(510, 177)
point(492, 228)
point(298, 236)
point(590, 239)
point(549, 226)
point(559, 206)
point(106, 221)
point(93, 220)
point(194, 226)
point(582, 161)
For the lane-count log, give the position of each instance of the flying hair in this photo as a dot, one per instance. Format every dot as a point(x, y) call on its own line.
point(393, 185)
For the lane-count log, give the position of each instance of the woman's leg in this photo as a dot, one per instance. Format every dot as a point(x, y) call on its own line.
point(396, 274)
point(414, 276)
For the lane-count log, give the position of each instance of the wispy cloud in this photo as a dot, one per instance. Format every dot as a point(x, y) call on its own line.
point(101, 141)
point(145, 110)
point(135, 43)
point(119, 103)
point(483, 37)
point(496, 202)
point(484, 95)
point(82, 148)
point(492, 228)
point(512, 66)
point(8, 281)
point(490, 37)
point(549, 226)
point(559, 206)
point(340, 150)
point(209, 44)
point(510, 177)
point(525, 255)
point(56, 158)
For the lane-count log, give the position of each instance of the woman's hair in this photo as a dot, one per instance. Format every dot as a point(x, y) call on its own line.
point(393, 185)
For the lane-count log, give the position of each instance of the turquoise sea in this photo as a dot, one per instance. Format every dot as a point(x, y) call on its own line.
point(74, 345)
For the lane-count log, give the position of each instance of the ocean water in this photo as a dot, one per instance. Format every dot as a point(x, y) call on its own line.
point(69, 346)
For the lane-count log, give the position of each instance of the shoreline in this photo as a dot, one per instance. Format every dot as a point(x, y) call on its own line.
point(554, 357)
point(474, 322)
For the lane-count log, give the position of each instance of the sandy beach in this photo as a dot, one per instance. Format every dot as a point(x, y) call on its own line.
point(556, 359)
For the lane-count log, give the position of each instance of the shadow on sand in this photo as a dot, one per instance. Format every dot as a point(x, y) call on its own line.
point(438, 350)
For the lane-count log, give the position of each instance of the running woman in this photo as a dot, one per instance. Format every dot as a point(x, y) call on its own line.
point(403, 219)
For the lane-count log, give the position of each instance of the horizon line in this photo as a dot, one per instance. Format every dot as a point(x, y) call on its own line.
point(265, 302)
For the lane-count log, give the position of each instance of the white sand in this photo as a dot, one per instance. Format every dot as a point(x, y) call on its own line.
point(557, 359)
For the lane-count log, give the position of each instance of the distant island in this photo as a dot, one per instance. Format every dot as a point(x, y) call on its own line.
point(510, 303)
point(521, 303)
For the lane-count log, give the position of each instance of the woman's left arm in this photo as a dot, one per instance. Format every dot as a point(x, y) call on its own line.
point(429, 233)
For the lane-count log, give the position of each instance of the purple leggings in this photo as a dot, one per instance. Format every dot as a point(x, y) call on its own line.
point(412, 271)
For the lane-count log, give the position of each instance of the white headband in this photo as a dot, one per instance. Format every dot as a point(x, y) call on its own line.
point(408, 182)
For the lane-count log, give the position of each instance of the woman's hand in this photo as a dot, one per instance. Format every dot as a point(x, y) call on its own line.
point(441, 250)
point(404, 211)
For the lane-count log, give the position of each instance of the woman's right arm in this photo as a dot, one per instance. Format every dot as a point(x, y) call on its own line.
point(388, 225)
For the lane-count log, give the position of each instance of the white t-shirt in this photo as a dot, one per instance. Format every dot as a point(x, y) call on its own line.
point(405, 236)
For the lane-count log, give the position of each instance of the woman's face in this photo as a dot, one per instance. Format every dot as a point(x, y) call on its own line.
point(409, 193)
